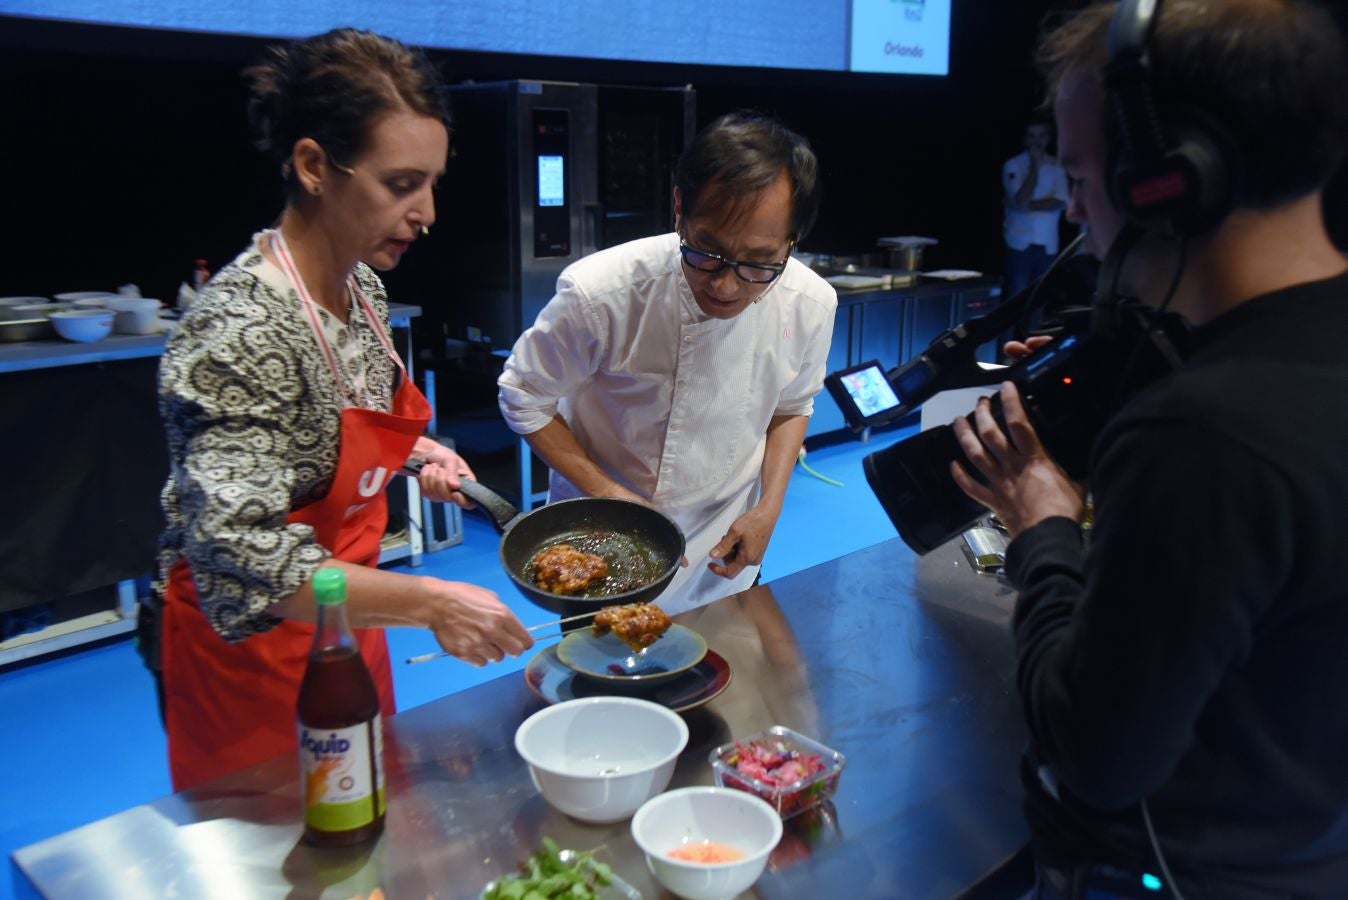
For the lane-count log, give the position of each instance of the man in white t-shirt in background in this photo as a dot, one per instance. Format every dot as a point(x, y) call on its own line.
point(680, 370)
point(1034, 192)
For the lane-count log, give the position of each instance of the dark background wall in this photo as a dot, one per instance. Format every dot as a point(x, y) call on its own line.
point(129, 152)
point(126, 152)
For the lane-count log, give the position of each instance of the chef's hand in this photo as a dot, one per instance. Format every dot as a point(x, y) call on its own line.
point(745, 543)
point(615, 491)
point(439, 477)
point(1016, 350)
point(1024, 484)
point(472, 623)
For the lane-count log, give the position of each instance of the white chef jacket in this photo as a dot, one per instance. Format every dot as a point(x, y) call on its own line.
point(670, 402)
point(1024, 227)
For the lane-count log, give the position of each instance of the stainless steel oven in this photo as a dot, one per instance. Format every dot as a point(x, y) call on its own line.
point(542, 174)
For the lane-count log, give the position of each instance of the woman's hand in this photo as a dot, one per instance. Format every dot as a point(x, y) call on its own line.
point(1024, 484)
point(472, 624)
point(439, 477)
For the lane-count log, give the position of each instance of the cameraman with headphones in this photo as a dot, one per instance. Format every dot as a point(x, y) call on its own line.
point(1185, 677)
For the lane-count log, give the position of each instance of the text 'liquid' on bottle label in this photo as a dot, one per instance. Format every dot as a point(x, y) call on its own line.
point(335, 764)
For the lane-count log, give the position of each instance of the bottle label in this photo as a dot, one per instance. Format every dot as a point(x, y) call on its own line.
point(342, 790)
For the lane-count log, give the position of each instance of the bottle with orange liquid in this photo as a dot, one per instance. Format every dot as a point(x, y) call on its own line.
point(341, 733)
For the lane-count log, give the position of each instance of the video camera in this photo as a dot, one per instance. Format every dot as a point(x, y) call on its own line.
point(1104, 354)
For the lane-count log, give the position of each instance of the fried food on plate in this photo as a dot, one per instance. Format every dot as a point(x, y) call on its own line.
point(638, 625)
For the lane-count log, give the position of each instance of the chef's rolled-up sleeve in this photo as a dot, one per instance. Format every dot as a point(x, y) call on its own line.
point(551, 359)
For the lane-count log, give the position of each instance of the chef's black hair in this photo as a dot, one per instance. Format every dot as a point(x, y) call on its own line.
point(739, 155)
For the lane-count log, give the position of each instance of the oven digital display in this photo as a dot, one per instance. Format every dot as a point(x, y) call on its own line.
point(551, 180)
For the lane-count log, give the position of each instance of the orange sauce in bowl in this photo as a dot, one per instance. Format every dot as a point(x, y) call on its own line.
point(706, 852)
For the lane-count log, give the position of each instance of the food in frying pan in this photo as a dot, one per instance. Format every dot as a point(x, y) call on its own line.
point(565, 570)
point(638, 625)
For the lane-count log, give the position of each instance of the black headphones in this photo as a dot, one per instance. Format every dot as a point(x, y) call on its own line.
point(1173, 170)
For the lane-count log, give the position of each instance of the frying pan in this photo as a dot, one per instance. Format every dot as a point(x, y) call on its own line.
point(632, 537)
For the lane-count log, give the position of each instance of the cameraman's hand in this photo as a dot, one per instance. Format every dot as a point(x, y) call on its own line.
point(1018, 350)
point(1024, 485)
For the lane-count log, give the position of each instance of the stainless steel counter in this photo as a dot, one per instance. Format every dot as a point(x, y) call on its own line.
point(923, 287)
point(51, 385)
point(28, 355)
point(904, 665)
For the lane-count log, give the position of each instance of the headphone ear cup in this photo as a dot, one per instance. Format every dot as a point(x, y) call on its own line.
point(1190, 188)
point(1204, 147)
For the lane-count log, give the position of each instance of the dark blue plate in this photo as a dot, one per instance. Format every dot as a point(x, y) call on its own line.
point(554, 682)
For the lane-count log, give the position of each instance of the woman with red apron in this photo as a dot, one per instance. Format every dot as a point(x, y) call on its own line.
point(230, 705)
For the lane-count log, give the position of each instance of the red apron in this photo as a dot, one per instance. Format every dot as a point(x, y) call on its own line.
point(228, 706)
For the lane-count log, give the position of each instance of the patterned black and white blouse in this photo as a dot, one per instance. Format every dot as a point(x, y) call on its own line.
point(252, 414)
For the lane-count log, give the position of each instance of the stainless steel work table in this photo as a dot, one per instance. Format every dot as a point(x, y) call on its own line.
point(904, 665)
point(53, 378)
point(53, 352)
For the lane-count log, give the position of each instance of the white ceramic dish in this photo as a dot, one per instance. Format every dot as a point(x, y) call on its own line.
point(82, 325)
point(76, 296)
point(135, 315)
point(32, 310)
point(600, 758)
point(696, 814)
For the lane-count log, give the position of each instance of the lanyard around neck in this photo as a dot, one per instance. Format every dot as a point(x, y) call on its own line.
point(282, 251)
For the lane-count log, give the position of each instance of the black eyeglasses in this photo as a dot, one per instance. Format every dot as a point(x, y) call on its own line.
point(754, 273)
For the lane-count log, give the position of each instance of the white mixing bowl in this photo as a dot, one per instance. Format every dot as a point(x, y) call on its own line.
point(599, 758)
point(83, 325)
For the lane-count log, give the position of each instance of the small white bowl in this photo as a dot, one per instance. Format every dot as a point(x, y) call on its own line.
point(83, 325)
point(135, 315)
point(599, 758)
point(696, 814)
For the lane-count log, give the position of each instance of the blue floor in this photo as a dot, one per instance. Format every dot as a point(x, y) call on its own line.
point(82, 738)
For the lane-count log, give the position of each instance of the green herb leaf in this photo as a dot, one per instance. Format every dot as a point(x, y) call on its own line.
point(545, 875)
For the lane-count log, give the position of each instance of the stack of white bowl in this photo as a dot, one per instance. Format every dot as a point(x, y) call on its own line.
point(601, 759)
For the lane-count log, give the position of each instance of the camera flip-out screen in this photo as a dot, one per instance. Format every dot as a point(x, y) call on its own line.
point(864, 394)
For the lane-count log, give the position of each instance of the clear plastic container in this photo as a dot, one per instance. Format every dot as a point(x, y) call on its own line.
point(787, 799)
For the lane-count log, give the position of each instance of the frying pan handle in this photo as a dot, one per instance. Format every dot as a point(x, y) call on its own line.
point(501, 510)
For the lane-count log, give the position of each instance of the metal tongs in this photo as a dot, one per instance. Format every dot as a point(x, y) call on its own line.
point(425, 657)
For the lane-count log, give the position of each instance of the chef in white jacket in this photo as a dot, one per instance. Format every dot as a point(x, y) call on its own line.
point(681, 370)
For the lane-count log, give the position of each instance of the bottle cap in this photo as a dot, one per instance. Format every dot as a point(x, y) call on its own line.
point(329, 587)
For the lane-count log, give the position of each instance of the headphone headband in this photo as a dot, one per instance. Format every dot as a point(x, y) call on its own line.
point(1172, 169)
